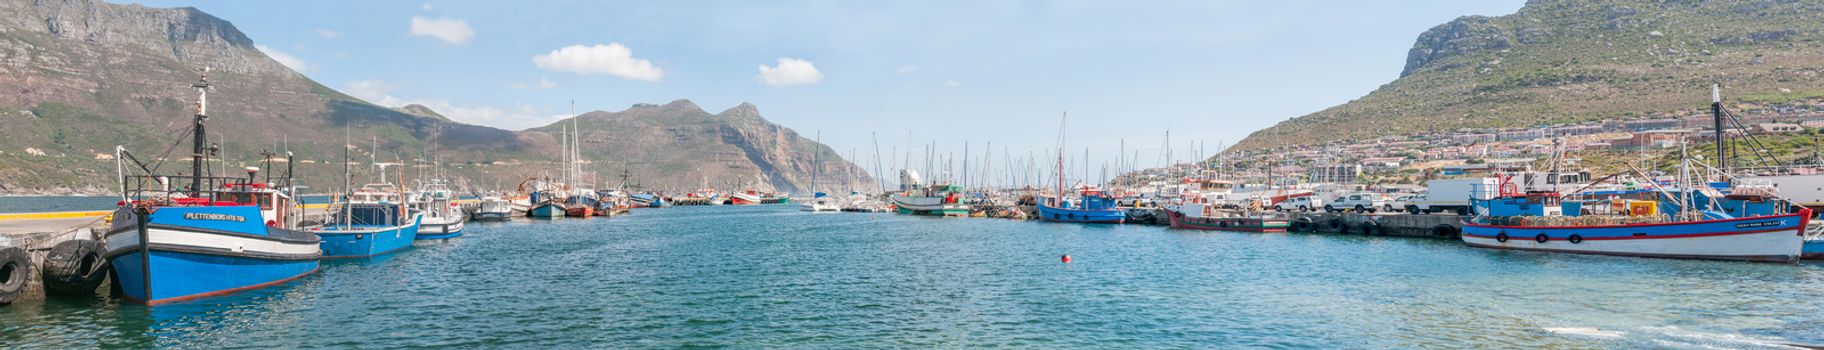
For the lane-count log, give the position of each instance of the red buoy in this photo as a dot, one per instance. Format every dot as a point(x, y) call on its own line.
point(1066, 258)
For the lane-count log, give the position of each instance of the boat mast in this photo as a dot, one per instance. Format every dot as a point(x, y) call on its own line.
point(1716, 113)
point(879, 182)
point(197, 157)
point(1063, 123)
point(347, 176)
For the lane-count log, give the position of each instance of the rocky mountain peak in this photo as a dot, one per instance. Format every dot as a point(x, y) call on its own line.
point(421, 111)
point(1464, 36)
point(744, 110)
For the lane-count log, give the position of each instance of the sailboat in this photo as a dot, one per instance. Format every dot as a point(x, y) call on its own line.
point(1093, 206)
point(820, 202)
point(219, 235)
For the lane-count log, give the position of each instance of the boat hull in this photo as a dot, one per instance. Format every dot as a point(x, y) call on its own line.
point(1082, 216)
point(545, 211)
point(1243, 224)
point(366, 241)
point(197, 252)
point(579, 212)
point(929, 206)
point(741, 199)
point(1766, 238)
point(1813, 250)
point(491, 216)
point(440, 230)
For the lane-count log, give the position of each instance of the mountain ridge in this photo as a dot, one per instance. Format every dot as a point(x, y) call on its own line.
point(1565, 61)
point(90, 75)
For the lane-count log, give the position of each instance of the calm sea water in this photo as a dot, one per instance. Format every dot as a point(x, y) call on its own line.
point(774, 277)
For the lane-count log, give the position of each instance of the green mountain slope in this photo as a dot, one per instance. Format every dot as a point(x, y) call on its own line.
point(1558, 61)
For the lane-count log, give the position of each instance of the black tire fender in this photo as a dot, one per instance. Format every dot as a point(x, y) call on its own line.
point(1542, 238)
point(15, 267)
point(1501, 237)
point(1575, 238)
point(75, 267)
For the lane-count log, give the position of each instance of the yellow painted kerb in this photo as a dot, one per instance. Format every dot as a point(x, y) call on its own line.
point(53, 215)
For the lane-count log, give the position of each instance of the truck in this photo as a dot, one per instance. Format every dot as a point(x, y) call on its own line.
point(1451, 195)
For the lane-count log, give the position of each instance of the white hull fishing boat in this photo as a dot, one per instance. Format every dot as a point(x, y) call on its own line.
point(443, 218)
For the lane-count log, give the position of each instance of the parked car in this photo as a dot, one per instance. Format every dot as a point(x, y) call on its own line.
point(1306, 203)
point(1359, 202)
point(1401, 203)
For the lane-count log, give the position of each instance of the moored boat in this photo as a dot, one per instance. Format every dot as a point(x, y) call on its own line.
point(370, 221)
point(580, 203)
point(217, 236)
point(493, 209)
point(1093, 207)
point(820, 202)
point(1198, 217)
point(748, 197)
point(1538, 221)
point(442, 217)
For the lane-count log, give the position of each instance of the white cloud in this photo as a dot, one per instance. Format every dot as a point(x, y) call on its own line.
point(612, 59)
point(790, 71)
point(515, 118)
point(903, 70)
point(328, 34)
point(542, 84)
point(952, 83)
point(451, 31)
point(378, 92)
point(286, 59)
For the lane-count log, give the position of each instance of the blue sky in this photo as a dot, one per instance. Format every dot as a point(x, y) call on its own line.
point(945, 71)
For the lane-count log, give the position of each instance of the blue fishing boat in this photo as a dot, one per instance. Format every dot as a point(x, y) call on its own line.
point(1092, 207)
point(1674, 226)
point(546, 205)
point(370, 221)
point(216, 236)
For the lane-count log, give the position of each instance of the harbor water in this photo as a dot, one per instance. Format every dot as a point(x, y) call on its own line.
point(776, 277)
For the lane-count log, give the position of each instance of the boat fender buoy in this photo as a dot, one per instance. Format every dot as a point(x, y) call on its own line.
point(1371, 228)
point(1541, 238)
point(15, 265)
point(1223, 224)
point(1575, 239)
point(1337, 224)
point(1065, 259)
point(75, 267)
point(1501, 237)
